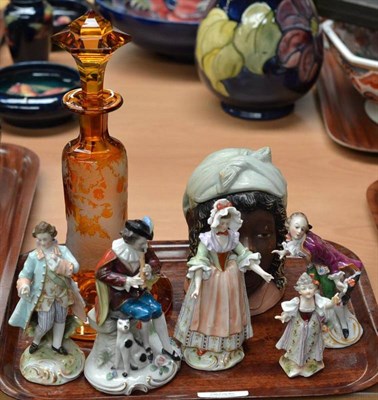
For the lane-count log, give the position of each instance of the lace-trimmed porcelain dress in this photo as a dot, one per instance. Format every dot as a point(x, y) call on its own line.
point(219, 319)
point(302, 338)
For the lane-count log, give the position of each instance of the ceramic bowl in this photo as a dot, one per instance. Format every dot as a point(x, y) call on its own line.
point(65, 11)
point(356, 50)
point(31, 93)
point(155, 33)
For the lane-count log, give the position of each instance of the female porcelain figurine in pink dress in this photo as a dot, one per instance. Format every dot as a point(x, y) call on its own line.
point(303, 339)
point(214, 320)
point(334, 271)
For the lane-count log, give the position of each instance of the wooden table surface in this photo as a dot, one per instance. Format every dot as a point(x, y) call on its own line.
point(170, 121)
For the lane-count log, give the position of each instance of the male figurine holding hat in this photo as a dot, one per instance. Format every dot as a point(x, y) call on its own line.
point(123, 276)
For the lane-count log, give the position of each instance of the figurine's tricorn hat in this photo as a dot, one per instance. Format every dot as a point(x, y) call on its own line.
point(140, 227)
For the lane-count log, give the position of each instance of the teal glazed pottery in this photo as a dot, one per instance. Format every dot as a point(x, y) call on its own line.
point(28, 27)
point(259, 57)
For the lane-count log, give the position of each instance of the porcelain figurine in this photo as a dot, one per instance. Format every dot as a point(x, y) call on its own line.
point(214, 320)
point(303, 339)
point(256, 187)
point(133, 350)
point(47, 291)
point(334, 271)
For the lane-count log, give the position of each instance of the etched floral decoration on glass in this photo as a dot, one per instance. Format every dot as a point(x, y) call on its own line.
point(94, 165)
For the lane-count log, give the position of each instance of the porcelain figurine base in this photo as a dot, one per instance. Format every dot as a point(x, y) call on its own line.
point(104, 375)
point(334, 338)
point(47, 367)
point(292, 369)
point(212, 361)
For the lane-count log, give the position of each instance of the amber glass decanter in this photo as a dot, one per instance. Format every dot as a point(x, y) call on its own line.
point(94, 165)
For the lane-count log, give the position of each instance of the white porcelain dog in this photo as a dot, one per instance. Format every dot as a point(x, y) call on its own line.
point(128, 351)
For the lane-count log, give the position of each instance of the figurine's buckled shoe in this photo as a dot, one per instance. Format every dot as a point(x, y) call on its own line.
point(33, 348)
point(174, 355)
point(61, 350)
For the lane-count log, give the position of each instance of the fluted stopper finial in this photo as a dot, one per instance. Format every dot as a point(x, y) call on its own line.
point(91, 40)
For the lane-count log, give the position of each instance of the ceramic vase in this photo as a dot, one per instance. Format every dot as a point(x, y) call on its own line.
point(259, 57)
point(28, 27)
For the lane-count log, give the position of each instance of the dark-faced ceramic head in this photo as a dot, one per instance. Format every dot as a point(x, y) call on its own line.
point(250, 181)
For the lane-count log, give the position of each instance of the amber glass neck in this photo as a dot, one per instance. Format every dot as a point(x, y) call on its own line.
point(92, 81)
point(94, 127)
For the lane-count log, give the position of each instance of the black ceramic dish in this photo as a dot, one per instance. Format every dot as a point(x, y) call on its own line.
point(44, 107)
point(173, 39)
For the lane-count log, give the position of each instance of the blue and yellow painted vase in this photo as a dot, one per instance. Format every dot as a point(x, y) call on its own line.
point(259, 57)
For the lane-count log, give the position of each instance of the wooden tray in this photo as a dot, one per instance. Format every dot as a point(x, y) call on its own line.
point(347, 370)
point(18, 178)
point(372, 199)
point(343, 111)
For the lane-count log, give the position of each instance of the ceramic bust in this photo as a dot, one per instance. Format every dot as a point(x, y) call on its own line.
point(303, 339)
point(214, 320)
point(334, 271)
point(47, 291)
point(255, 186)
point(132, 350)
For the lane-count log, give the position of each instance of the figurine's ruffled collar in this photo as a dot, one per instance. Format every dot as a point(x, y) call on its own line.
point(295, 246)
point(41, 254)
point(210, 240)
point(125, 252)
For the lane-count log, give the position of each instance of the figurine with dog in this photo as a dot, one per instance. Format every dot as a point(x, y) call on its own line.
point(133, 349)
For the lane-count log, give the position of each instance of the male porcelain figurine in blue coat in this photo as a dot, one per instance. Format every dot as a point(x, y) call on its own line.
point(45, 286)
